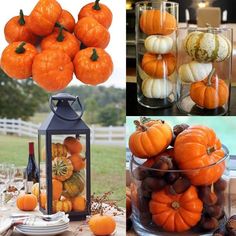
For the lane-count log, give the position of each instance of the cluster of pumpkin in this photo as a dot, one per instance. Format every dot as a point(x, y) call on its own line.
point(173, 199)
point(158, 63)
point(50, 29)
point(206, 90)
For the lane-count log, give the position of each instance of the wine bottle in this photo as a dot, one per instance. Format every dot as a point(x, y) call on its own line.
point(32, 171)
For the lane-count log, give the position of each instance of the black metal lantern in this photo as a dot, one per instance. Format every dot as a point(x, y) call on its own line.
point(55, 161)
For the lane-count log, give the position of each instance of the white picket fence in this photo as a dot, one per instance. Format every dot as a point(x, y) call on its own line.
point(112, 135)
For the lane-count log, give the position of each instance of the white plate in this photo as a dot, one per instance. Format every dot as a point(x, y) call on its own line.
point(44, 230)
point(44, 227)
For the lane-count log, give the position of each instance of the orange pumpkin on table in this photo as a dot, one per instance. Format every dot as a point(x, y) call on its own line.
point(157, 22)
point(17, 29)
point(176, 213)
point(26, 202)
point(63, 40)
point(52, 70)
point(44, 16)
point(98, 11)
point(73, 145)
point(91, 33)
point(66, 20)
point(17, 59)
point(158, 66)
point(150, 138)
point(93, 66)
point(199, 147)
point(210, 93)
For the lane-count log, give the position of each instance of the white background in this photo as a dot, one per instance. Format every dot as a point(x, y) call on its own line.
point(116, 47)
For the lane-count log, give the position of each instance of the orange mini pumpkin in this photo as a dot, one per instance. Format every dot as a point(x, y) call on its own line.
point(199, 147)
point(66, 20)
point(91, 33)
point(63, 40)
point(93, 66)
point(43, 17)
point(78, 203)
point(98, 11)
point(157, 22)
point(73, 145)
point(52, 70)
point(26, 202)
point(57, 188)
point(64, 205)
point(43, 200)
point(210, 93)
point(176, 213)
point(17, 29)
point(158, 66)
point(17, 59)
point(150, 138)
point(77, 161)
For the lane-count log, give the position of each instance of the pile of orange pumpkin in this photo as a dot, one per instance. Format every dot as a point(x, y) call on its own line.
point(46, 45)
point(172, 199)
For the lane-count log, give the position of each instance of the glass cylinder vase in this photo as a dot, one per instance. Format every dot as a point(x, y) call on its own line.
point(156, 53)
point(204, 70)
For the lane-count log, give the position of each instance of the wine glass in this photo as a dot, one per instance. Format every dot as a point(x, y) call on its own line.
point(19, 178)
point(4, 182)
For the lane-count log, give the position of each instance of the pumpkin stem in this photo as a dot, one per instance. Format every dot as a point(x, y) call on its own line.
point(175, 205)
point(159, 57)
point(210, 150)
point(140, 125)
point(60, 36)
point(20, 49)
point(58, 25)
point(94, 56)
point(144, 119)
point(96, 5)
point(21, 20)
point(212, 188)
point(210, 76)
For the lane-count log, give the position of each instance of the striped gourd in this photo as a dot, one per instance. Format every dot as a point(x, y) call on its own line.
point(63, 205)
point(58, 150)
point(62, 168)
point(207, 47)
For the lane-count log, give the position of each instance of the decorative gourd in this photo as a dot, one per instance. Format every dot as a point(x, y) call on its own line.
point(101, 224)
point(78, 203)
point(57, 188)
point(199, 147)
point(17, 29)
point(66, 20)
point(62, 168)
point(52, 70)
point(93, 66)
point(156, 88)
point(35, 190)
point(58, 150)
point(158, 44)
point(158, 66)
point(176, 213)
point(64, 205)
point(91, 33)
point(43, 17)
point(74, 185)
point(26, 202)
point(77, 161)
point(73, 145)
point(98, 11)
point(43, 200)
point(150, 138)
point(157, 22)
point(194, 71)
point(17, 59)
point(207, 47)
point(210, 93)
point(63, 40)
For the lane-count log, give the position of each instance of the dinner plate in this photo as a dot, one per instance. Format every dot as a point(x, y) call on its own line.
point(43, 227)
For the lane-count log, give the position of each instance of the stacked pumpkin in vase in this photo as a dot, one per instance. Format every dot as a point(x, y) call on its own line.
point(178, 178)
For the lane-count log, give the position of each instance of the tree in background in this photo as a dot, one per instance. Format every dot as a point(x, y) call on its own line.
point(19, 99)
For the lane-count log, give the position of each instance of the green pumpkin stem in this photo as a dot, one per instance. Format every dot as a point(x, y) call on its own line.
point(60, 36)
point(94, 56)
point(96, 5)
point(210, 76)
point(21, 20)
point(20, 49)
point(140, 125)
point(58, 25)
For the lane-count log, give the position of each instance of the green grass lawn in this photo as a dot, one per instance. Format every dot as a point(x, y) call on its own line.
point(107, 163)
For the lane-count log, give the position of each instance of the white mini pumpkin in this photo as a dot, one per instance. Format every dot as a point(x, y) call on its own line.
point(207, 47)
point(194, 71)
point(158, 44)
point(157, 88)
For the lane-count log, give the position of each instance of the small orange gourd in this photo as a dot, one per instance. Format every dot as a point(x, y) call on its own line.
point(26, 202)
point(58, 150)
point(64, 205)
point(73, 145)
point(66, 20)
point(77, 161)
point(78, 203)
point(57, 188)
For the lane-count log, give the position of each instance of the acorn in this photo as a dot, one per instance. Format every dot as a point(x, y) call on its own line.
point(164, 163)
point(220, 185)
point(140, 173)
point(207, 195)
point(151, 184)
point(209, 223)
point(214, 211)
point(171, 177)
point(180, 185)
point(231, 224)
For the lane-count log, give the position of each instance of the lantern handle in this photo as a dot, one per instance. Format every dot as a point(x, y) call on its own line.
point(71, 98)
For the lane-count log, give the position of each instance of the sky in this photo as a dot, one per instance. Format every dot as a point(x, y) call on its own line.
point(116, 47)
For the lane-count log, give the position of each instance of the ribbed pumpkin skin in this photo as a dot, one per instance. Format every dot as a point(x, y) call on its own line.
point(62, 168)
point(67, 20)
point(58, 150)
point(74, 185)
point(43, 17)
point(63, 205)
point(207, 47)
point(193, 150)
